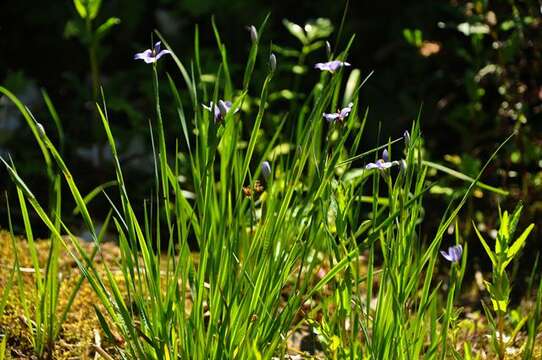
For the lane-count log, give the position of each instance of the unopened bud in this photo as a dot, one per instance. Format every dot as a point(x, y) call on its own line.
point(253, 33)
point(41, 130)
point(385, 155)
point(272, 62)
point(406, 137)
point(266, 169)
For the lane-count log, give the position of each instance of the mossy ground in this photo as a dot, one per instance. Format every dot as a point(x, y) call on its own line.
point(78, 333)
point(81, 331)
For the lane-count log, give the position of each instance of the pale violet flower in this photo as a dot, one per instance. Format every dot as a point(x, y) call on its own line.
point(382, 164)
point(331, 66)
point(219, 111)
point(454, 253)
point(152, 55)
point(340, 115)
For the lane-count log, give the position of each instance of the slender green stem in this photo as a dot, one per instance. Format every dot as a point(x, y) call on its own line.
point(500, 325)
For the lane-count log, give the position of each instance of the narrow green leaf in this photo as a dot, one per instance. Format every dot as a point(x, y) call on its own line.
point(296, 31)
point(3, 346)
point(464, 177)
point(485, 245)
point(81, 8)
point(92, 194)
point(518, 244)
point(93, 7)
point(103, 29)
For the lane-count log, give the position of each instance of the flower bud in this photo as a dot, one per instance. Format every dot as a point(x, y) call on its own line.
point(272, 62)
point(41, 130)
point(266, 169)
point(253, 33)
point(385, 155)
point(406, 137)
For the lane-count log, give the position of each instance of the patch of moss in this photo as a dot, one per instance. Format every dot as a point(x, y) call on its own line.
point(77, 336)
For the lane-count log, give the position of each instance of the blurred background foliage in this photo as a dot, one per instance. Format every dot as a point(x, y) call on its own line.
point(474, 68)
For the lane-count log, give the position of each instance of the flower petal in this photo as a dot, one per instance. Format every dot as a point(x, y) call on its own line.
point(385, 164)
point(157, 47)
point(162, 53)
point(345, 111)
point(145, 56)
point(446, 256)
point(320, 66)
point(223, 107)
point(208, 108)
point(331, 66)
point(331, 117)
point(456, 252)
point(266, 169)
point(214, 109)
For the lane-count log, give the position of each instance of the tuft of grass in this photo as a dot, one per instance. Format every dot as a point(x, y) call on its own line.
point(505, 250)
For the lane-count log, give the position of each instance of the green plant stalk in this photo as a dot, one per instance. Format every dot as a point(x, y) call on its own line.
point(161, 148)
point(502, 343)
point(533, 324)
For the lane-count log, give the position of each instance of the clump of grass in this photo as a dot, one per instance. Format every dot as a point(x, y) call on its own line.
point(263, 231)
point(505, 250)
point(43, 322)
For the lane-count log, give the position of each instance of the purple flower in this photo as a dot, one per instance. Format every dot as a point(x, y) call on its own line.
point(152, 55)
point(382, 164)
point(454, 253)
point(219, 111)
point(340, 115)
point(331, 66)
point(266, 169)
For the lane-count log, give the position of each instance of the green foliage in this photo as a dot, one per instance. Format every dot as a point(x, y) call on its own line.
point(504, 251)
point(87, 9)
point(313, 30)
point(90, 36)
point(413, 37)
